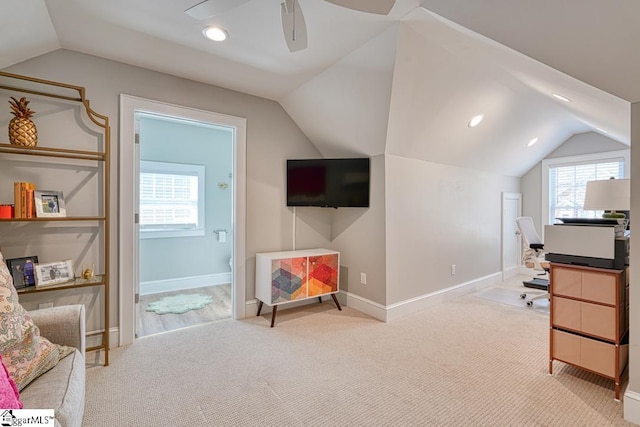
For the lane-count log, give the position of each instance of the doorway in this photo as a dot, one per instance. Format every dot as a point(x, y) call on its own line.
point(511, 242)
point(185, 185)
point(220, 240)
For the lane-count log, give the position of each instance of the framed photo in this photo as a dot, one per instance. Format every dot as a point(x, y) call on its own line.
point(53, 273)
point(23, 271)
point(49, 204)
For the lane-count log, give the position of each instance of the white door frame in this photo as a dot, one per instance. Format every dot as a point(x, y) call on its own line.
point(127, 247)
point(506, 234)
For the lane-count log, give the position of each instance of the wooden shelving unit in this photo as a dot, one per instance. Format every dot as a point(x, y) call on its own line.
point(15, 83)
point(589, 321)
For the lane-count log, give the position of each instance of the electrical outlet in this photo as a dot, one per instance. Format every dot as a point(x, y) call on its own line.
point(45, 305)
point(453, 269)
point(363, 278)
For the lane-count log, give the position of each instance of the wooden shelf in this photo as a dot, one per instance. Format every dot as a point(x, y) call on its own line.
point(62, 153)
point(77, 283)
point(54, 219)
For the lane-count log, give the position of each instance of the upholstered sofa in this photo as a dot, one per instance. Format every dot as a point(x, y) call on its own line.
point(63, 387)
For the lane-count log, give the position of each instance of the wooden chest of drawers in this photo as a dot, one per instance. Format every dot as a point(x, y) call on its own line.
point(589, 319)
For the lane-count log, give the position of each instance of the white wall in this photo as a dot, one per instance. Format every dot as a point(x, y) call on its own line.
point(272, 137)
point(439, 215)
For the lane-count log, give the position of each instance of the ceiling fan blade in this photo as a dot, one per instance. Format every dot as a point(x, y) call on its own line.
point(293, 25)
point(210, 8)
point(380, 7)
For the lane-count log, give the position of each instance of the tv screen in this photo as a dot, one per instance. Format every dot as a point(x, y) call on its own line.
point(328, 182)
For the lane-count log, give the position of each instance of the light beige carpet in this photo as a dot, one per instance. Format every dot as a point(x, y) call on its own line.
point(466, 362)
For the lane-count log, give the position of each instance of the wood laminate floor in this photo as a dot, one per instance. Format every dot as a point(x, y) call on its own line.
point(151, 323)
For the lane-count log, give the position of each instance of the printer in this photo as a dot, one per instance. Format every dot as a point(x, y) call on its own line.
point(588, 245)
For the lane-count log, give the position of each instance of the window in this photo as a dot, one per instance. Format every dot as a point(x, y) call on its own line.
point(171, 200)
point(566, 181)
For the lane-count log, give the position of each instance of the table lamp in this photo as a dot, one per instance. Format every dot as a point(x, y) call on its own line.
point(609, 195)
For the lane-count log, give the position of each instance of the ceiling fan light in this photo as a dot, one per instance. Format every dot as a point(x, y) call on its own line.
point(475, 121)
point(216, 34)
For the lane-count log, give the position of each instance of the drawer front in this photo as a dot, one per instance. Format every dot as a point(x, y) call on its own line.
point(599, 287)
point(598, 320)
point(567, 282)
point(594, 355)
point(566, 347)
point(592, 319)
point(598, 356)
point(566, 313)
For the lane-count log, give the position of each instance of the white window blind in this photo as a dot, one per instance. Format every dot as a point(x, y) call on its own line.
point(567, 184)
point(171, 199)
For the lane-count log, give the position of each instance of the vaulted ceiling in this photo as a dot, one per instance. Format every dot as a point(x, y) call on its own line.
point(405, 84)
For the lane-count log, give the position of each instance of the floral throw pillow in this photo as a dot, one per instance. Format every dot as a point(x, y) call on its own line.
point(24, 352)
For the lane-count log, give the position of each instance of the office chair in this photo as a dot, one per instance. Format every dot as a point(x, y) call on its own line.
point(533, 257)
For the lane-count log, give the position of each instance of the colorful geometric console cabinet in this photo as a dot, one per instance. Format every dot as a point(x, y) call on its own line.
point(283, 277)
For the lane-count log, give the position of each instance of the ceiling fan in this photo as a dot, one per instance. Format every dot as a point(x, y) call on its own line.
point(293, 24)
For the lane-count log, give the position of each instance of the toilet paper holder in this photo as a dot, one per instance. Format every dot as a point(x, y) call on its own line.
point(221, 235)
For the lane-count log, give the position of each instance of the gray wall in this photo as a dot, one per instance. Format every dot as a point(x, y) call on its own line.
point(176, 257)
point(439, 215)
point(359, 235)
point(272, 137)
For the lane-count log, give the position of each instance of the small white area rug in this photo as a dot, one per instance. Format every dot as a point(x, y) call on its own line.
point(178, 304)
point(512, 297)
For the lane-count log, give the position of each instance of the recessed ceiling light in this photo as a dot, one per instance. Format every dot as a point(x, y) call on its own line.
point(475, 121)
point(561, 97)
point(216, 34)
point(533, 141)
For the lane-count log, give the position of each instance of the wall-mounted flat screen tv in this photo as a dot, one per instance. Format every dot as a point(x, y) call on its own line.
point(331, 183)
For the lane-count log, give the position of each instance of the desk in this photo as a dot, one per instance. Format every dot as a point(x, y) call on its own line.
point(589, 320)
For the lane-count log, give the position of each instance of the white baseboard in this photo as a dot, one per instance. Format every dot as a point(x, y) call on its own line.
point(366, 306)
point(631, 406)
point(168, 285)
point(394, 311)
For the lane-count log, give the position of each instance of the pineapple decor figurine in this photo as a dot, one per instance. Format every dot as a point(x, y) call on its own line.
point(22, 131)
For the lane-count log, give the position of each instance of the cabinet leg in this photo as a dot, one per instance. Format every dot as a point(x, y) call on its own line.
point(259, 307)
point(273, 315)
point(336, 301)
point(320, 300)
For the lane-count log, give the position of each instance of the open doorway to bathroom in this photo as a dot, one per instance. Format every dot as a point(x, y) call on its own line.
point(128, 251)
point(185, 220)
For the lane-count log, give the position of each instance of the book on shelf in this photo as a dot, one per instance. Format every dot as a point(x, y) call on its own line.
point(23, 199)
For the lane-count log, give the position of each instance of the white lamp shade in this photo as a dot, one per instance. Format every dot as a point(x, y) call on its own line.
point(608, 194)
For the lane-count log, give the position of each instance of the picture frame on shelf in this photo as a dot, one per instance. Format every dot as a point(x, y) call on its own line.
point(54, 273)
point(49, 204)
point(23, 271)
